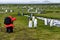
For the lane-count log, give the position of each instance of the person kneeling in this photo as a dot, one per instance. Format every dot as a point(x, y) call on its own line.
point(8, 21)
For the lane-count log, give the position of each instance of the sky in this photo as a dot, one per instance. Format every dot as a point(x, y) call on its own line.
point(29, 1)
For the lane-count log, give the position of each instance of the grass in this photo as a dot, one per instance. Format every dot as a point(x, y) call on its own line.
point(50, 15)
point(22, 32)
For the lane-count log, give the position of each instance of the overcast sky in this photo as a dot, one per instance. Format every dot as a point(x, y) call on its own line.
point(29, 1)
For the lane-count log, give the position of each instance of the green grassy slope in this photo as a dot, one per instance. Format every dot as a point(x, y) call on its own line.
point(22, 32)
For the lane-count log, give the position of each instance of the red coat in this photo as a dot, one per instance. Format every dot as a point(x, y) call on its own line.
point(12, 19)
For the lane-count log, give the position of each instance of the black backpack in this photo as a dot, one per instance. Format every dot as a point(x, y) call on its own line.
point(7, 20)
